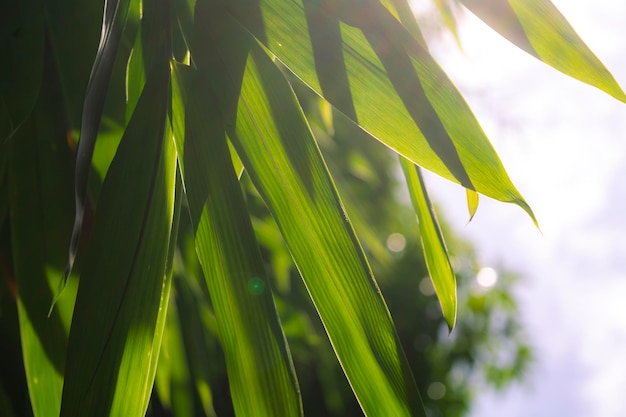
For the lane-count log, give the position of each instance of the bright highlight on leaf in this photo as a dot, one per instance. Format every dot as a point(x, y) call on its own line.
point(434, 247)
point(540, 29)
point(200, 142)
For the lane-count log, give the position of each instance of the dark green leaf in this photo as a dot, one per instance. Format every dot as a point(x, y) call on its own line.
point(40, 185)
point(113, 22)
point(122, 299)
point(22, 50)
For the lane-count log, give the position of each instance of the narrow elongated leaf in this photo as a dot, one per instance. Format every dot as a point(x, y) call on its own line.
point(74, 28)
point(173, 380)
point(40, 183)
point(261, 375)
point(122, 299)
point(113, 21)
point(447, 16)
point(537, 27)
point(433, 245)
point(327, 254)
point(435, 252)
point(472, 203)
point(401, 10)
point(395, 83)
point(201, 344)
point(22, 51)
point(272, 138)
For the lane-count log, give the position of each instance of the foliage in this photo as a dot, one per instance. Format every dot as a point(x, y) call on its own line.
point(173, 102)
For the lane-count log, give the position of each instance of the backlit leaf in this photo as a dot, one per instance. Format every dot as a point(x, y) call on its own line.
point(540, 29)
point(261, 375)
point(122, 299)
point(272, 138)
point(435, 252)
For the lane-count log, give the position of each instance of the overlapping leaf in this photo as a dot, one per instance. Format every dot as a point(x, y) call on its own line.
point(113, 22)
point(435, 252)
point(21, 47)
point(400, 95)
point(261, 375)
point(122, 300)
point(276, 146)
point(335, 86)
point(537, 27)
point(39, 179)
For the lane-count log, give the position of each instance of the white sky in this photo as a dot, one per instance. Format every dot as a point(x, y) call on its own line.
point(564, 146)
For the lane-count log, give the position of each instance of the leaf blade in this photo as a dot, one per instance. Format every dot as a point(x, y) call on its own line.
point(540, 29)
point(433, 245)
point(272, 138)
point(112, 365)
point(260, 369)
point(113, 22)
point(465, 156)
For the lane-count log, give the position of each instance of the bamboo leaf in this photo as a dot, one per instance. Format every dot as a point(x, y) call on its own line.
point(22, 50)
point(113, 22)
point(537, 27)
point(472, 203)
point(39, 177)
point(261, 375)
point(447, 16)
point(74, 29)
point(203, 353)
point(175, 386)
point(272, 138)
point(433, 245)
point(122, 299)
point(400, 95)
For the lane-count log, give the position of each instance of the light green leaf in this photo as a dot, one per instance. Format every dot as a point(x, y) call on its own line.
point(433, 245)
point(173, 380)
point(261, 375)
point(399, 93)
point(447, 16)
point(472, 203)
point(540, 29)
point(272, 138)
point(203, 353)
point(122, 299)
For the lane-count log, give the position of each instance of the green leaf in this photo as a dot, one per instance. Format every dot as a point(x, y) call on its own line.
point(433, 245)
point(21, 47)
point(122, 299)
point(113, 22)
point(399, 93)
point(40, 180)
point(203, 353)
point(537, 27)
point(472, 203)
point(443, 6)
point(73, 28)
point(272, 138)
point(173, 379)
point(260, 371)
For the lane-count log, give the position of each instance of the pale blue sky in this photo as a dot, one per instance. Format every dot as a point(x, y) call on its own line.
point(564, 146)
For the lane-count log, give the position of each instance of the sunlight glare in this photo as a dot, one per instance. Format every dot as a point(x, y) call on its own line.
point(396, 242)
point(487, 277)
